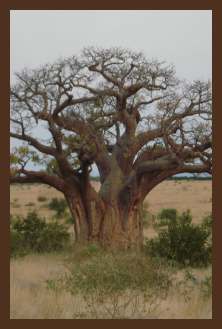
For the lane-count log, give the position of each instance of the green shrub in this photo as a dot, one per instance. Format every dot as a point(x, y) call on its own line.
point(182, 242)
point(185, 218)
point(207, 223)
point(54, 237)
point(92, 249)
point(114, 285)
point(17, 245)
point(42, 198)
point(69, 220)
point(34, 234)
point(207, 226)
point(83, 252)
point(166, 216)
point(110, 273)
point(59, 206)
point(30, 229)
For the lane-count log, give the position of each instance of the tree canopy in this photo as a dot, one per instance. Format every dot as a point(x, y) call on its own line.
point(130, 116)
point(93, 103)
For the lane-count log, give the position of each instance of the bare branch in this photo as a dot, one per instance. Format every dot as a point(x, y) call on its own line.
point(37, 177)
point(35, 143)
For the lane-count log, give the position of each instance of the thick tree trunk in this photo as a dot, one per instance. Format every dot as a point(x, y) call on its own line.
point(110, 225)
point(122, 229)
point(112, 216)
point(77, 210)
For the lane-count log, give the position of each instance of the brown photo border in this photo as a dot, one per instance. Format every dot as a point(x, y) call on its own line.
point(6, 6)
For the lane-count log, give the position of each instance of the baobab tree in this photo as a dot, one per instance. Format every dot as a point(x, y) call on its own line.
point(116, 110)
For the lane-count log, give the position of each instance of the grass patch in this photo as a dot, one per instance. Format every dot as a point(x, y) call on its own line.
point(30, 204)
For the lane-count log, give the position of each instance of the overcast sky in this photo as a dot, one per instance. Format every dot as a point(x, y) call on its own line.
point(180, 37)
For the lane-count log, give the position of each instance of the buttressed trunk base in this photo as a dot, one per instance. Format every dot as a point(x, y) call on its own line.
point(109, 225)
point(121, 230)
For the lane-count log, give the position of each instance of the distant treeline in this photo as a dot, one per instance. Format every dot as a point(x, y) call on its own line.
point(175, 178)
point(190, 178)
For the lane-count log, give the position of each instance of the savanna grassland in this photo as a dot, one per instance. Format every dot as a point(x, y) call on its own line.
point(39, 283)
point(30, 298)
point(182, 195)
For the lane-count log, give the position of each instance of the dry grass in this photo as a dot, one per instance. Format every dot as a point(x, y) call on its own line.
point(26, 197)
point(175, 307)
point(30, 299)
point(182, 195)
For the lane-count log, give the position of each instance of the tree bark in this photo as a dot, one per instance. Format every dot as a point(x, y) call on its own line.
point(110, 225)
point(78, 213)
point(120, 229)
